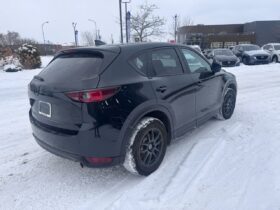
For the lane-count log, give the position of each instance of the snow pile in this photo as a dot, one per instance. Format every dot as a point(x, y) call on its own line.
point(231, 164)
point(10, 63)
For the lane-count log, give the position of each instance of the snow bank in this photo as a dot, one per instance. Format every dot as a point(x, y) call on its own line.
point(222, 165)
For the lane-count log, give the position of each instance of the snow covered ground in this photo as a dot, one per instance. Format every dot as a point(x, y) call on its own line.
point(223, 165)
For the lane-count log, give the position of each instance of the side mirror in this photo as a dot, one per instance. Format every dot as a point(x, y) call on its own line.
point(216, 67)
point(270, 49)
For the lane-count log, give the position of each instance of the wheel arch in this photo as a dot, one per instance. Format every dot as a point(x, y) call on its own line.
point(146, 110)
point(232, 86)
point(275, 56)
point(163, 118)
point(230, 83)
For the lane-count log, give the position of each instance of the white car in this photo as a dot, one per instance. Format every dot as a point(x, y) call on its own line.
point(196, 47)
point(274, 50)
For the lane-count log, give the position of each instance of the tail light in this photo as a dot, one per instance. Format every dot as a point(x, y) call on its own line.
point(96, 95)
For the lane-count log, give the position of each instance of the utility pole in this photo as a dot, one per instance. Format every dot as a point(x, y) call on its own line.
point(175, 27)
point(44, 40)
point(75, 33)
point(121, 26)
point(126, 19)
point(96, 36)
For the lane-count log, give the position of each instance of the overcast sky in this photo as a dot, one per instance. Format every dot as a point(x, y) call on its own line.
point(26, 16)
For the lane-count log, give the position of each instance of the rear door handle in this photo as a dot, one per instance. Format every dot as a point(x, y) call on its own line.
point(161, 89)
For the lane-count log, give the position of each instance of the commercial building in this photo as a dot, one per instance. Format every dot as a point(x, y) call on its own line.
point(224, 36)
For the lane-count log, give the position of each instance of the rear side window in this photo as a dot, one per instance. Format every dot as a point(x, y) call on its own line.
point(165, 62)
point(80, 65)
point(140, 63)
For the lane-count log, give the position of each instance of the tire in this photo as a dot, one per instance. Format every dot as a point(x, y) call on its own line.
point(228, 106)
point(147, 147)
point(245, 61)
point(274, 59)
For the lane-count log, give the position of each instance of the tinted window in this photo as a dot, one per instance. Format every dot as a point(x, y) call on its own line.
point(251, 47)
point(166, 62)
point(140, 63)
point(277, 47)
point(81, 65)
point(266, 47)
point(196, 63)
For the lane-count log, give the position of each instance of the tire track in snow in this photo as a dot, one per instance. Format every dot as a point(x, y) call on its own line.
point(191, 164)
point(204, 165)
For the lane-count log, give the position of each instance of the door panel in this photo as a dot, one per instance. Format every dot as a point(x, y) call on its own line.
point(208, 96)
point(209, 93)
point(174, 88)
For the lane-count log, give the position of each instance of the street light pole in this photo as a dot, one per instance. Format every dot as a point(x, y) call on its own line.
point(126, 29)
point(75, 33)
point(91, 20)
point(121, 26)
point(175, 28)
point(44, 36)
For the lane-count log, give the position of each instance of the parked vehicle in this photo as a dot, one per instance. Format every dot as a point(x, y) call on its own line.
point(274, 50)
point(251, 54)
point(196, 47)
point(123, 104)
point(225, 57)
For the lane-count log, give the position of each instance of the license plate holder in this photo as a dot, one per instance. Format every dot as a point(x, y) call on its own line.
point(45, 109)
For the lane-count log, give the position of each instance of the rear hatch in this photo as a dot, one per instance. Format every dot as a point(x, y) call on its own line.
point(71, 70)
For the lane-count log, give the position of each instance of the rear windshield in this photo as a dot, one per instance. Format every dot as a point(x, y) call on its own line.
point(84, 65)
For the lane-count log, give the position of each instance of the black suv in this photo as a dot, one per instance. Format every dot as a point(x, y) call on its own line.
point(123, 104)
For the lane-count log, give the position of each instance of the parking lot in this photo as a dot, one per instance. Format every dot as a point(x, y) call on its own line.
point(221, 165)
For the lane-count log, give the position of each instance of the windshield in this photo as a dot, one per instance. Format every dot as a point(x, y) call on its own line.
point(251, 47)
point(223, 52)
point(277, 47)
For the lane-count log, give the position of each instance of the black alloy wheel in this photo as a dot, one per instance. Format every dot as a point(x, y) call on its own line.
point(229, 103)
point(147, 147)
point(151, 147)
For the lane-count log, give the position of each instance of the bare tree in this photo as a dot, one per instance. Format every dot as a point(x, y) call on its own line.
point(13, 38)
point(187, 21)
point(88, 38)
point(145, 24)
point(27, 41)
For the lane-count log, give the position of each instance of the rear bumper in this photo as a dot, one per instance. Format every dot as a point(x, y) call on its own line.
point(76, 146)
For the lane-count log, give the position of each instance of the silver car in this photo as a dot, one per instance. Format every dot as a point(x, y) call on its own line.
point(274, 50)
